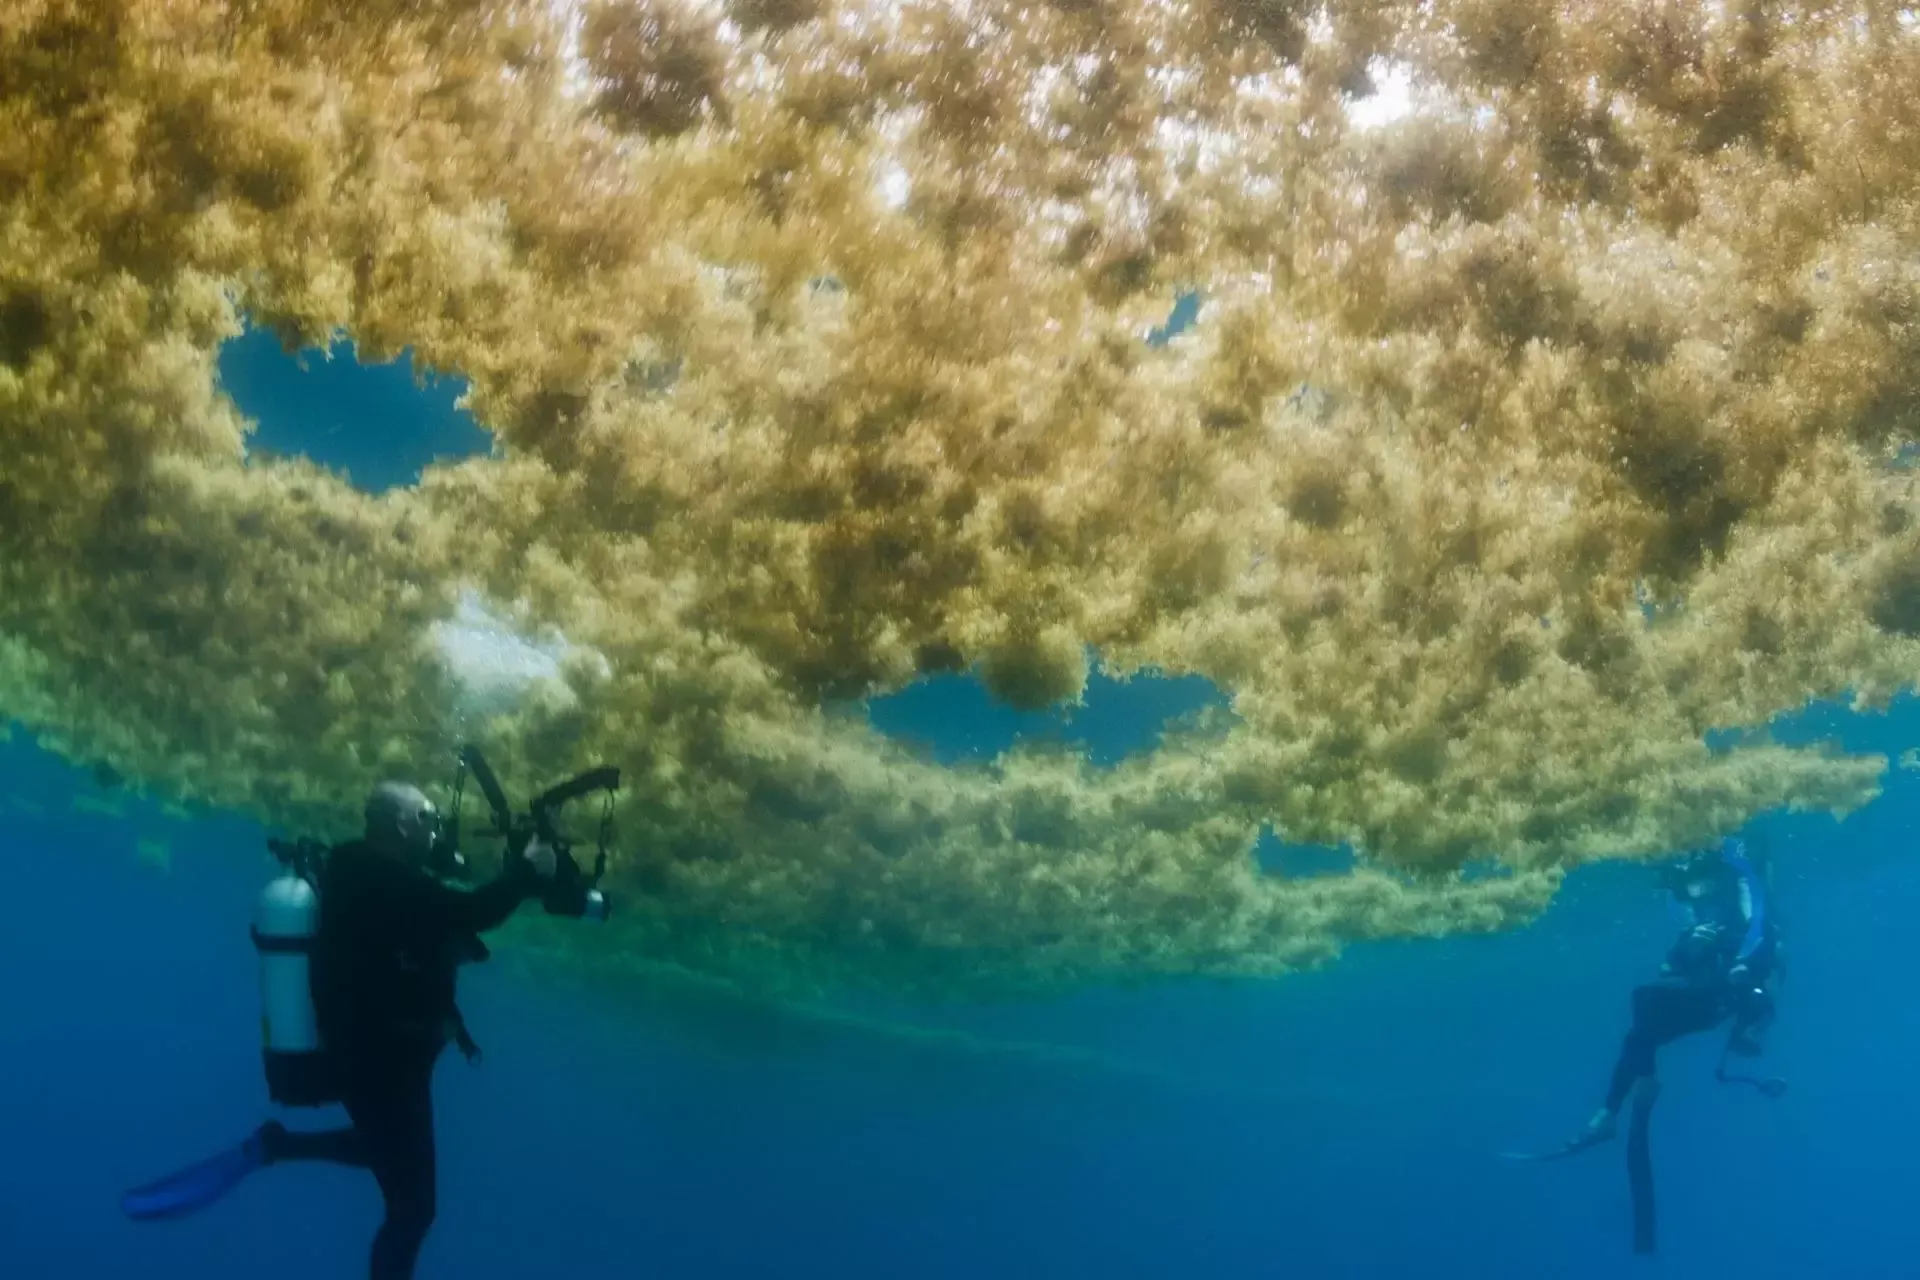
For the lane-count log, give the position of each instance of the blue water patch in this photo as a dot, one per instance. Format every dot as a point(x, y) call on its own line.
point(1276, 857)
point(1186, 309)
point(1829, 721)
point(1721, 741)
point(40, 790)
point(373, 423)
point(953, 718)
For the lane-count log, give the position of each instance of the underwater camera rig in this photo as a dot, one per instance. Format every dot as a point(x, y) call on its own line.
point(573, 892)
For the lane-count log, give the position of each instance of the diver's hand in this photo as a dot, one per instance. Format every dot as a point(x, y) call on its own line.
point(540, 856)
point(457, 1032)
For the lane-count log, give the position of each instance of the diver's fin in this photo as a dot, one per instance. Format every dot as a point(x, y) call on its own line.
point(1600, 1129)
point(199, 1185)
point(1640, 1168)
point(1572, 1148)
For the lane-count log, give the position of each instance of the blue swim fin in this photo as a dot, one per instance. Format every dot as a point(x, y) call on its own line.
point(199, 1185)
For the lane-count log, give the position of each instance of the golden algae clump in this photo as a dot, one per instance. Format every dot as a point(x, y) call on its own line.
point(1525, 436)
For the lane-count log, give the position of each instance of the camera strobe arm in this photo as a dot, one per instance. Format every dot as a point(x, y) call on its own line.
point(489, 787)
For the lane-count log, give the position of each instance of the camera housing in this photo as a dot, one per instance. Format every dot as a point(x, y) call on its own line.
point(573, 893)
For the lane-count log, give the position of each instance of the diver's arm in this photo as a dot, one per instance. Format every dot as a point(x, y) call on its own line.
point(1753, 901)
point(1693, 950)
point(438, 909)
point(485, 909)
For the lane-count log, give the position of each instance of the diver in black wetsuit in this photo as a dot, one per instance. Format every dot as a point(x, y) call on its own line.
point(390, 939)
point(1717, 970)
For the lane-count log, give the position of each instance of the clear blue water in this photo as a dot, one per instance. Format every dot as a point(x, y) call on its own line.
point(1340, 1124)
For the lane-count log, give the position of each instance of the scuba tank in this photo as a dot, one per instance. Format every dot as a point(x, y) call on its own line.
point(286, 920)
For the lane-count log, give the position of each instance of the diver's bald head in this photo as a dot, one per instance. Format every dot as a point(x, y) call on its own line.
point(401, 820)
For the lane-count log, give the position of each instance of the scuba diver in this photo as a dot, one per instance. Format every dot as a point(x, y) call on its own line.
point(390, 936)
point(1718, 970)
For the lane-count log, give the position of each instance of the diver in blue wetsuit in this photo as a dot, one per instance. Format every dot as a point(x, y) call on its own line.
point(390, 937)
point(1717, 970)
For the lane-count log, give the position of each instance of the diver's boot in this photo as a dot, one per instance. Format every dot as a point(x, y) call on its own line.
point(1603, 1127)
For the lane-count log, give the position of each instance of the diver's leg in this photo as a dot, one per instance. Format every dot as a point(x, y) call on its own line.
point(396, 1118)
point(1752, 1016)
point(1636, 1061)
point(345, 1146)
point(1662, 1013)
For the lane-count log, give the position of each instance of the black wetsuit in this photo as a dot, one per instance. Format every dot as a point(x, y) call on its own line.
point(390, 940)
point(1662, 1013)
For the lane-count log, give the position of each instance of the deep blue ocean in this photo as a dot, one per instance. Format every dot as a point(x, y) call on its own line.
point(1346, 1123)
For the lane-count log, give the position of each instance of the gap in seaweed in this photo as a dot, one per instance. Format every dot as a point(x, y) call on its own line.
point(373, 423)
point(953, 719)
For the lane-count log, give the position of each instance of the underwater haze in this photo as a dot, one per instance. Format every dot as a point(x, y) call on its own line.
point(1339, 1124)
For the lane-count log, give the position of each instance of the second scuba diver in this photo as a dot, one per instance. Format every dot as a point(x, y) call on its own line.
point(1717, 970)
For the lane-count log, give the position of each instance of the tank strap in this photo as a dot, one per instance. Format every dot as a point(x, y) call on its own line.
point(278, 945)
